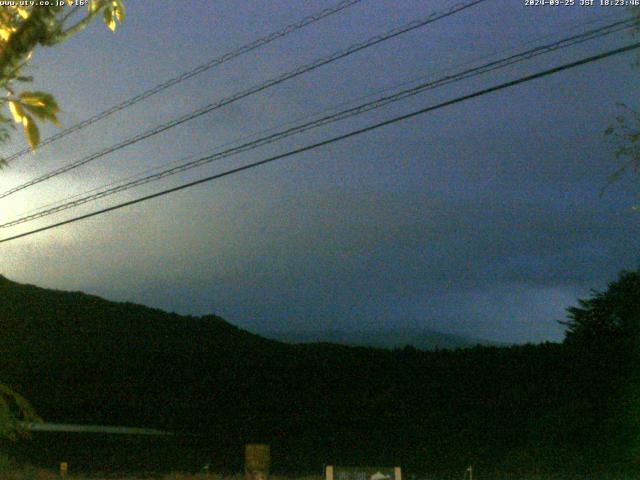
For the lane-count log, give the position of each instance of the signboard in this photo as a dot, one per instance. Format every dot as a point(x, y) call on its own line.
point(363, 473)
point(257, 461)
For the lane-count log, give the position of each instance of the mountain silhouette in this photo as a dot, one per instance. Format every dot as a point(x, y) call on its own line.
point(383, 338)
point(81, 359)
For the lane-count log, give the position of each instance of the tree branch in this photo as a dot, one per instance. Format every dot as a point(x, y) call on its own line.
point(35, 30)
point(78, 27)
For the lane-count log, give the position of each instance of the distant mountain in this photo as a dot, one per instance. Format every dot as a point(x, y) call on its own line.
point(390, 339)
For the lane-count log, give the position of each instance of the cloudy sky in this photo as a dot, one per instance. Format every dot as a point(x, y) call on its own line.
point(483, 218)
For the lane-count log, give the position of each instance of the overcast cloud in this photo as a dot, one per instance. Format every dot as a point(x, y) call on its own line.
point(482, 218)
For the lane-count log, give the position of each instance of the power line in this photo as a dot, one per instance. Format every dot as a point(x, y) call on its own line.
point(255, 89)
point(192, 73)
point(305, 117)
point(111, 184)
point(311, 115)
point(338, 138)
point(341, 115)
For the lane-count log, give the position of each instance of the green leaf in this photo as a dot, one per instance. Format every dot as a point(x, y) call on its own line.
point(31, 131)
point(40, 99)
point(118, 10)
point(40, 104)
point(95, 5)
point(16, 111)
point(109, 21)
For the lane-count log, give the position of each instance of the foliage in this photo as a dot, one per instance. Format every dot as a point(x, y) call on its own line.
point(624, 136)
point(512, 411)
point(15, 412)
point(624, 133)
point(606, 329)
point(29, 473)
point(6, 463)
point(610, 318)
point(22, 29)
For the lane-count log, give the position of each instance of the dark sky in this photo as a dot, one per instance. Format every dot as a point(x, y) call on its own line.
point(483, 218)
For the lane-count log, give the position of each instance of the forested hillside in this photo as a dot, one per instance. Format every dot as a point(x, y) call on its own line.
point(528, 409)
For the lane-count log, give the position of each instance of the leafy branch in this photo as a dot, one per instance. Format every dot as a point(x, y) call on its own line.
point(15, 414)
point(624, 135)
point(22, 29)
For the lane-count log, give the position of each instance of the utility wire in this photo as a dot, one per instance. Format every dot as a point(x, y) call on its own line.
point(353, 133)
point(255, 89)
point(311, 115)
point(315, 114)
point(360, 109)
point(191, 73)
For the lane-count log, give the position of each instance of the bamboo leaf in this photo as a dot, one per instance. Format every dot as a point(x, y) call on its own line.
point(94, 5)
point(109, 21)
point(41, 104)
point(118, 9)
point(31, 131)
point(16, 111)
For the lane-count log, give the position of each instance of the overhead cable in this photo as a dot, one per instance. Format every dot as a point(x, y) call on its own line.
point(512, 83)
point(191, 73)
point(350, 112)
point(253, 90)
